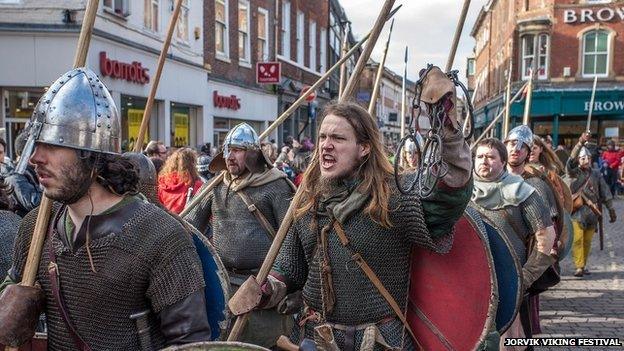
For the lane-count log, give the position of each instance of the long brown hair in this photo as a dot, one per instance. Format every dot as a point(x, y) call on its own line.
point(373, 173)
point(548, 158)
point(183, 161)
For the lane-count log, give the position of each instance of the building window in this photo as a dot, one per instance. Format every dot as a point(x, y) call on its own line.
point(243, 31)
point(300, 38)
point(221, 28)
point(529, 45)
point(182, 26)
point(470, 67)
point(150, 17)
point(312, 45)
point(263, 38)
point(118, 7)
point(595, 53)
point(323, 51)
point(285, 30)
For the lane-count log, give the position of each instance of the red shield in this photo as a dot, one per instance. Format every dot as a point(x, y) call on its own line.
point(453, 296)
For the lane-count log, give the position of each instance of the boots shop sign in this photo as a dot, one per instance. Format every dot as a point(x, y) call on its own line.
point(605, 14)
point(132, 72)
point(231, 102)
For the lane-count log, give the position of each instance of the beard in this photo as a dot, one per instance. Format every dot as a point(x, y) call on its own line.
point(75, 183)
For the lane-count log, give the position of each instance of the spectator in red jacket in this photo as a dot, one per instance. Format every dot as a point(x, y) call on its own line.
point(178, 181)
point(613, 159)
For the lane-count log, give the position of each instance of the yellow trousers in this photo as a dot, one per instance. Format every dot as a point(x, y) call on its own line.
point(581, 244)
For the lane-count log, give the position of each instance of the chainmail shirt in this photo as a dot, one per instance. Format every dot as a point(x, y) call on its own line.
point(150, 264)
point(523, 220)
point(544, 192)
point(9, 224)
point(386, 250)
point(238, 236)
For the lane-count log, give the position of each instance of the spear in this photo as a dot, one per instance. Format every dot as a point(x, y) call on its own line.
point(380, 69)
point(45, 207)
point(591, 105)
point(458, 31)
point(359, 66)
point(404, 95)
point(161, 62)
point(527, 103)
point(343, 67)
point(241, 321)
point(498, 116)
point(218, 179)
point(507, 102)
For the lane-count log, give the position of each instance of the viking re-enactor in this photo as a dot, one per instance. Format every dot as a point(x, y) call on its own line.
point(516, 208)
point(349, 194)
point(589, 189)
point(245, 211)
point(108, 254)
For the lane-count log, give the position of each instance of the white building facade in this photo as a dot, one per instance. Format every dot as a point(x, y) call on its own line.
point(38, 41)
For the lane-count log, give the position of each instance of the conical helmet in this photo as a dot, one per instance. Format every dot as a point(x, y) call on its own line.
point(78, 112)
point(242, 136)
point(523, 135)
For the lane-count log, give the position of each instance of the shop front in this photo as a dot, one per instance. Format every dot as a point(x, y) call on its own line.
point(126, 68)
point(231, 105)
point(562, 114)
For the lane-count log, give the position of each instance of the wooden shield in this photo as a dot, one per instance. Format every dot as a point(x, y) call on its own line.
point(453, 296)
point(217, 286)
point(508, 275)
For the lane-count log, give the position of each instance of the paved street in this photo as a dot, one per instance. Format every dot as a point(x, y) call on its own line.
point(592, 306)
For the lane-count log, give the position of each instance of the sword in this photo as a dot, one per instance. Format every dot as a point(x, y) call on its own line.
point(143, 329)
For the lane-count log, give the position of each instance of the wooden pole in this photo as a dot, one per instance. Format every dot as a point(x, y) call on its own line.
point(241, 321)
point(591, 105)
point(506, 121)
point(359, 67)
point(495, 120)
point(458, 31)
point(216, 180)
point(404, 95)
point(526, 119)
point(31, 267)
point(380, 70)
point(138, 146)
point(343, 67)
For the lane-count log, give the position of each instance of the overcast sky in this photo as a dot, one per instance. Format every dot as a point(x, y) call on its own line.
point(427, 27)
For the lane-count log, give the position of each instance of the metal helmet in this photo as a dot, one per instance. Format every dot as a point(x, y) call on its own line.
point(585, 152)
point(523, 135)
point(78, 112)
point(242, 136)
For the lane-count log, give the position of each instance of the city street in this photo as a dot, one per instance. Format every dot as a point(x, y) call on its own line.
point(591, 306)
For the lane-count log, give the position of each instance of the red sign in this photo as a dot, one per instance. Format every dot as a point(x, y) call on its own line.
point(230, 102)
point(310, 97)
point(268, 72)
point(132, 72)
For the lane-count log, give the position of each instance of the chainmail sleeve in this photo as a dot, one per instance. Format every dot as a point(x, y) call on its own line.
point(176, 265)
point(199, 217)
point(291, 265)
point(22, 244)
point(280, 200)
point(9, 225)
point(535, 213)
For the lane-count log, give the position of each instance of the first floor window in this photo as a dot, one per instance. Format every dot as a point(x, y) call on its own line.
point(595, 53)
point(221, 27)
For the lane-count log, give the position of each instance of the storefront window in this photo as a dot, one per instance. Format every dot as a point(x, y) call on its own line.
point(180, 125)
point(132, 109)
point(20, 105)
point(595, 53)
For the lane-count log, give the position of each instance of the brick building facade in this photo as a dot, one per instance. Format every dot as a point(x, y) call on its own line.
point(567, 43)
